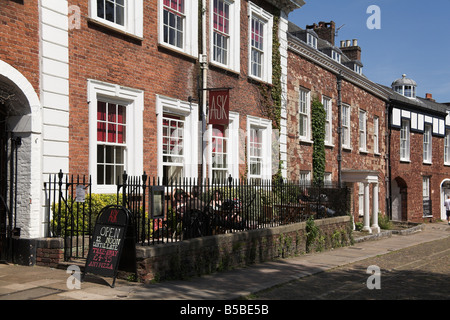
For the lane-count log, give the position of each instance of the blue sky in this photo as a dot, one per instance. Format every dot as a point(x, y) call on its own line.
point(414, 39)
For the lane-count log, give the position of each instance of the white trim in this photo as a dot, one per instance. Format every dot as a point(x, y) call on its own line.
point(266, 126)
point(267, 18)
point(191, 139)
point(234, 48)
point(407, 155)
point(190, 29)
point(362, 143)
point(134, 101)
point(348, 136)
point(233, 134)
point(328, 120)
point(134, 19)
point(31, 124)
point(307, 136)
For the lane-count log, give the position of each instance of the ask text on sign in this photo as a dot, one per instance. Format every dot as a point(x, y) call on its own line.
point(219, 107)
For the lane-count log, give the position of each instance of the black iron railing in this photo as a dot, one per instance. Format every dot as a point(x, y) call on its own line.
point(188, 208)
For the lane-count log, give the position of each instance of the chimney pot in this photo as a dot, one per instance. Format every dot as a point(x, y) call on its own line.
point(348, 43)
point(342, 43)
point(355, 42)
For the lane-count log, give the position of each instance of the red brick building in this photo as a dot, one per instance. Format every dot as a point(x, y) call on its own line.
point(419, 154)
point(140, 81)
point(355, 144)
point(99, 88)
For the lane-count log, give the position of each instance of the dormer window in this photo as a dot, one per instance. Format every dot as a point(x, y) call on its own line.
point(336, 56)
point(357, 69)
point(404, 86)
point(311, 40)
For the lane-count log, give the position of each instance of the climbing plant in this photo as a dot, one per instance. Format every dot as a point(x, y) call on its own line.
point(318, 134)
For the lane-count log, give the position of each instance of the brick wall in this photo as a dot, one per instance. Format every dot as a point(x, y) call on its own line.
point(321, 82)
point(206, 255)
point(412, 173)
point(100, 53)
point(19, 38)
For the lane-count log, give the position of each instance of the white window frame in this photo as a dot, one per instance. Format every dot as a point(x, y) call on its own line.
point(427, 144)
point(233, 134)
point(134, 18)
point(191, 127)
point(311, 40)
point(175, 139)
point(327, 179)
point(304, 115)
point(426, 189)
point(265, 127)
point(336, 56)
point(328, 106)
point(305, 178)
point(447, 147)
point(346, 129)
point(405, 140)
point(266, 18)
point(376, 135)
point(133, 100)
point(360, 199)
point(362, 130)
point(233, 56)
point(190, 28)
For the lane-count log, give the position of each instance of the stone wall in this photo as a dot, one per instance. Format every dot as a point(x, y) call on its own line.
point(207, 255)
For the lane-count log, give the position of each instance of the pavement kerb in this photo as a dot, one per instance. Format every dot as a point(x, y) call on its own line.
point(41, 283)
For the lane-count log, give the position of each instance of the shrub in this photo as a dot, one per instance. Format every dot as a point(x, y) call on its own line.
point(75, 217)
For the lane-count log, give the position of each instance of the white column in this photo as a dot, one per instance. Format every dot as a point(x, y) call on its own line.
point(375, 226)
point(366, 208)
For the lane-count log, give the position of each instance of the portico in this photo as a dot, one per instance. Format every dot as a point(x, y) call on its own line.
point(366, 177)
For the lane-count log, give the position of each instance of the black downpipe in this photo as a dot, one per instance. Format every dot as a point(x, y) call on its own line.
point(388, 159)
point(339, 130)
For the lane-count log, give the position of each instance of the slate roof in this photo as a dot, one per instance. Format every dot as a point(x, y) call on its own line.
point(322, 45)
point(417, 102)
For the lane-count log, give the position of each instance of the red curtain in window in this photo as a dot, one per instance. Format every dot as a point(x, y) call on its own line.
point(121, 121)
point(111, 122)
point(112, 117)
point(101, 121)
point(177, 5)
point(220, 18)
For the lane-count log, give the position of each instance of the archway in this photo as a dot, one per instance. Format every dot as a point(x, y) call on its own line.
point(399, 200)
point(20, 130)
point(445, 190)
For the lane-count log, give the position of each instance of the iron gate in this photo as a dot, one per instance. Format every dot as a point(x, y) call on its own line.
point(9, 145)
point(69, 212)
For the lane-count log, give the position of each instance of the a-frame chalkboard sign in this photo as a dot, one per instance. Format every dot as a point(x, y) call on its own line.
point(113, 232)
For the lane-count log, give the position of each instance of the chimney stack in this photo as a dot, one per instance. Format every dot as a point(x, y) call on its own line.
point(429, 96)
point(325, 30)
point(351, 49)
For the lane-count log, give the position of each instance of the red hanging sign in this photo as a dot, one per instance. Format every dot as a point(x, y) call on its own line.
point(219, 107)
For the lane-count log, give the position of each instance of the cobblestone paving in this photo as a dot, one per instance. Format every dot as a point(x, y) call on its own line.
point(419, 272)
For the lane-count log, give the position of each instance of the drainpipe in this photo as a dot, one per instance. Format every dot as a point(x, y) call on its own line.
point(339, 130)
point(388, 159)
point(202, 92)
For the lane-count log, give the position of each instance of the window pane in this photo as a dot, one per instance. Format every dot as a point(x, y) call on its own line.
point(100, 174)
point(120, 15)
point(109, 174)
point(109, 8)
point(173, 17)
point(101, 9)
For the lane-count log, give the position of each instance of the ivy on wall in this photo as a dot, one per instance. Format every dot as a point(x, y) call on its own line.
point(271, 93)
point(318, 116)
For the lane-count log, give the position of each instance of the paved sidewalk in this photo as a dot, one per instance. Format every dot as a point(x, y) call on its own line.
point(40, 283)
